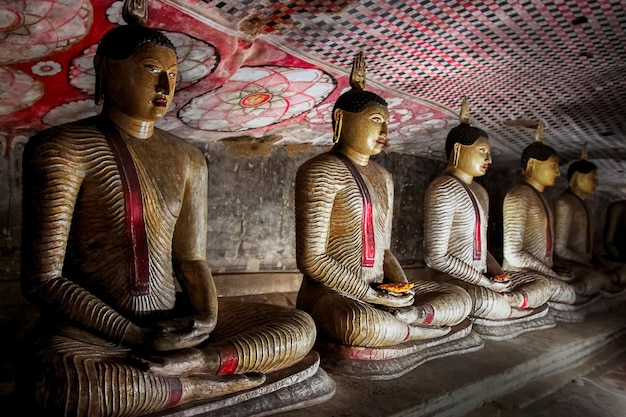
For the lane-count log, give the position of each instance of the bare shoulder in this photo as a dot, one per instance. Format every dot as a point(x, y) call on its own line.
point(618, 206)
point(180, 147)
point(566, 198)
point(380, 170)
point(480, 191)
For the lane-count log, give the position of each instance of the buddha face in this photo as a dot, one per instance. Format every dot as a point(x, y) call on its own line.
point(142, 85)
point(543, 172)
point(365, 132)
point(473, 159)
point(585, 183)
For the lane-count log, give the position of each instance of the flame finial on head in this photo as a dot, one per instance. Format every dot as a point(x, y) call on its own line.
point(135, 12)
point(584, 154)
point(541, 126)
point(357, 75)
point(464, 114)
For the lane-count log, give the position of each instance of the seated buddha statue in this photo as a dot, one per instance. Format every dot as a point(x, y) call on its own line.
point(455, 233)
point(344, 207)
point(615, 231)
point(528, 225)
point(574, 229)
point(115, 219)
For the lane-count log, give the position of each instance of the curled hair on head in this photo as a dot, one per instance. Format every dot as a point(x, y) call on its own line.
point(582, 165)
point(463, 134)
point(537, 150)
point(121, 42)
point(355, 101)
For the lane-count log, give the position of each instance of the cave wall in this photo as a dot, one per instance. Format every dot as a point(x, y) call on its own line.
point(251, 205)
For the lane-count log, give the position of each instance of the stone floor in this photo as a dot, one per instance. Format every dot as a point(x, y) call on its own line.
point(571, 370)
point(599, 393)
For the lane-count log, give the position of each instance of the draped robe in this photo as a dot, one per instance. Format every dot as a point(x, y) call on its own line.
point(574, 242)
point(76, 270)
point(329, 252)
point(450, 247)
point(529, 238)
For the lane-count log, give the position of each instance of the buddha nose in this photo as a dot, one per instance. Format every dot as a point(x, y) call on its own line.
point(488, 159)
point(384, 130)
point(163, 85)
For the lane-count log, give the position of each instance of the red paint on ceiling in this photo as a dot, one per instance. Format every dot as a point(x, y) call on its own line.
point(560, 62)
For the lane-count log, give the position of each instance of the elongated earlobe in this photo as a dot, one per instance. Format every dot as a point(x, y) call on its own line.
point(455, 155)
point(97, 63)
point(338, 125)
point(98, 93)
point(528, 172)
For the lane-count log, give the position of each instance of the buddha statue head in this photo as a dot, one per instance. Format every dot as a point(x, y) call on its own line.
point(467, 148)
point(582, 176)
point(147, 58)
point(360, 118)
point(540, 162)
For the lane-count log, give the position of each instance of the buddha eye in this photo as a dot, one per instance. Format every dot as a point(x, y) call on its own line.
point(153, 69)
point(377, 119)
point(172, 75)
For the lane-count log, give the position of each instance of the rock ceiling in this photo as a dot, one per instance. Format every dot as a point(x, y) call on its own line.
point(272, 70)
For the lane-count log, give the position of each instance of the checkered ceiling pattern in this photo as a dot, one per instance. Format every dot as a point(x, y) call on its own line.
point(562, 62)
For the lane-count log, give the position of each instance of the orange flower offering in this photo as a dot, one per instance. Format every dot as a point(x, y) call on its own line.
point(501, 278)
point(397, 287)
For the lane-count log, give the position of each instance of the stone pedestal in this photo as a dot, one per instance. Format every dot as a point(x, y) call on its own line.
point(511, 373)
point(302, 385)
point(392, 362)
point(540, 319)
point(578, 313)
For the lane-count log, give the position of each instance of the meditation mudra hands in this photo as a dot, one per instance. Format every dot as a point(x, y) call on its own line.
point(181, 333)
point(501, 285)
point(564, 274)
point(379, 297)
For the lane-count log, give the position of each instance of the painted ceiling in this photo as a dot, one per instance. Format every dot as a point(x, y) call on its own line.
point(272, 70)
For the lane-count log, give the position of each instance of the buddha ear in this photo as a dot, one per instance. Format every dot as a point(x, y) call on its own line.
point(529, 167)
point(456, 153)
point(98, 64)
point(573, 182)
point(338, 118)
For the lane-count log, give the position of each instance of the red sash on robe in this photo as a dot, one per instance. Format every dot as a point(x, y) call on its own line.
point(588, 235)
point(137, 238)
point(367, 224)
point(549, 239)
point(478, 246)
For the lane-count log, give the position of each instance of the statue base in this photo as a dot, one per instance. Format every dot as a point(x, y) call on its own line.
point(510, 328)
point(301, 385)
point(578, 312)
point(390, 362)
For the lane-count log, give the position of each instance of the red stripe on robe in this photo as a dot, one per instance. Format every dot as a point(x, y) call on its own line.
point(549, 238)
point(137, 238)
point(367, 223)
point(478, 244)
point(176, 392)
point(229, 359)
point(588, 231)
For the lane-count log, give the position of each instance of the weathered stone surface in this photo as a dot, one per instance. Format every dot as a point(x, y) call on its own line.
point(510, 328)
point(251, 207)
point(392, 362)
point(578, 313)
point(461, 383)
point(302, 385)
